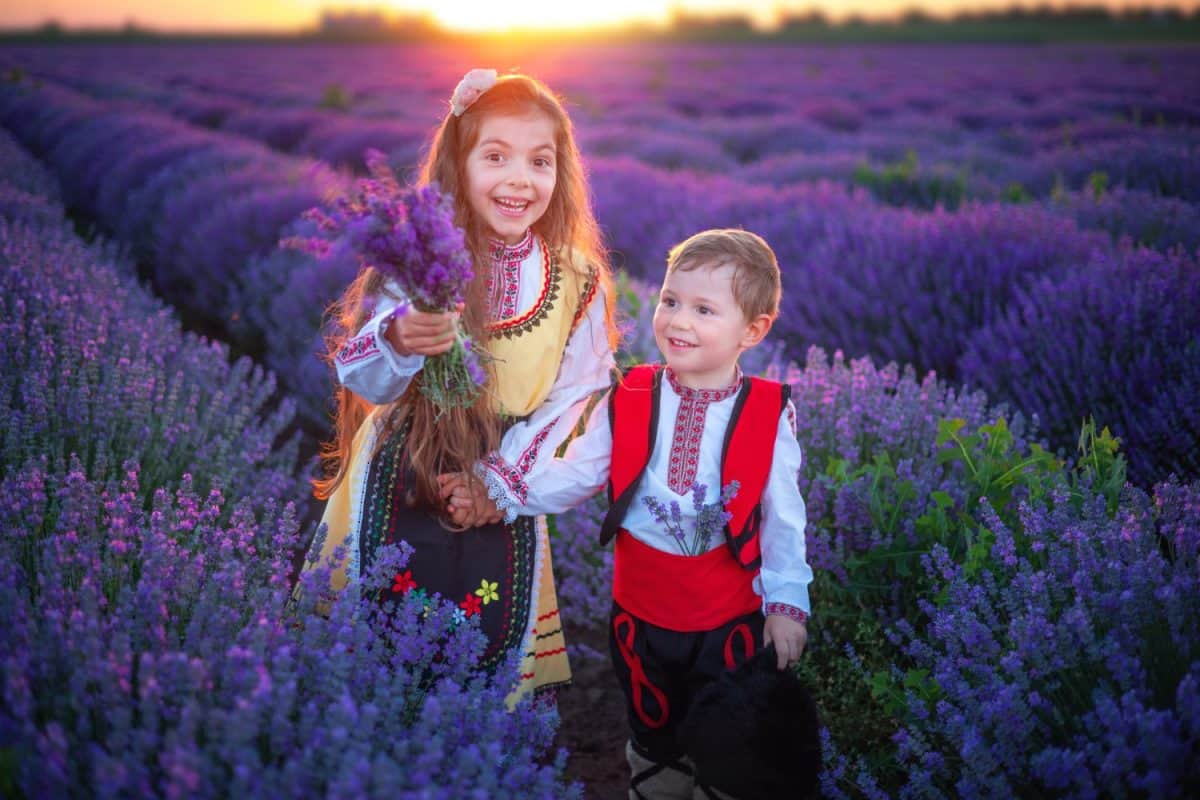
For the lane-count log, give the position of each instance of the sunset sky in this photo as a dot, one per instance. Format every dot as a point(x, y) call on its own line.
point(276, 15)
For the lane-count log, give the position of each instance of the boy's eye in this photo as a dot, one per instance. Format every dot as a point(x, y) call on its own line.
point(703, 310)
point(668, 302)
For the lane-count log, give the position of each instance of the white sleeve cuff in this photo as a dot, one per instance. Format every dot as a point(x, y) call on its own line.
point(498, 489)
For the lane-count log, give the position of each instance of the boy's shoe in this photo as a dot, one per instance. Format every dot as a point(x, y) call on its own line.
point(656, 780)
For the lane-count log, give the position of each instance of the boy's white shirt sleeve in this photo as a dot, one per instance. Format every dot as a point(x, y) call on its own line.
point(585, 369)
point(555, 485)
point(368, 365)
point(785, 573)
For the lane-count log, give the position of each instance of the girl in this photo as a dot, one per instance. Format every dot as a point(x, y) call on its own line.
point(540, 300)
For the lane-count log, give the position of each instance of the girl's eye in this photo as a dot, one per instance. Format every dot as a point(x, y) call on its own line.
point(703, 310)
point(495, 157)
point(667, 301)
point(542, 162)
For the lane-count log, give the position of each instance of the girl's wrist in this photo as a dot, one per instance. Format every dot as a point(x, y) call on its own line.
point(391, 332)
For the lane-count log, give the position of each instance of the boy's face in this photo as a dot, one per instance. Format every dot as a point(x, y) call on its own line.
point(701, 329)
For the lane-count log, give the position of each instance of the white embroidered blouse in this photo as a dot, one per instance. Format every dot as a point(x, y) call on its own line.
point(371, 368)
point(686, 452)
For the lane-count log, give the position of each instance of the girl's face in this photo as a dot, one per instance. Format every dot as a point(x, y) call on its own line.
point(511, 172)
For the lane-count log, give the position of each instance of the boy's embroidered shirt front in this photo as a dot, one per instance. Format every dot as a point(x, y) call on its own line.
point(688, 446)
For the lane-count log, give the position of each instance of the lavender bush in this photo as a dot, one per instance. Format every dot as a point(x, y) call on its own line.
point(1118, 340)
point(23, 172)
point(1147, 219)
point(152, 652)
point(915, 288)
point(1067, 666)
point(112, 378)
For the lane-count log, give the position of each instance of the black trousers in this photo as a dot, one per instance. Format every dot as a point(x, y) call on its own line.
point(662, 670)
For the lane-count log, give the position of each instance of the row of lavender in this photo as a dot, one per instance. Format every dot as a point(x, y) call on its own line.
point(915, 127)
point(147, 542)
point(1014, 299)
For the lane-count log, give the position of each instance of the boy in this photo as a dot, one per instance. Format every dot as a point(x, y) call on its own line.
point(687, 608)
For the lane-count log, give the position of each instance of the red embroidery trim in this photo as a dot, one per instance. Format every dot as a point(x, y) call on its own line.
point(548, 286)
point(525, 462)
point(586, 300)
point(637, 676)
point(498, 250)
point(689, 430)
point(358, 348)
point(741, 630)
point(504, 280)
point(786, 610)
point(512, 477)
point(549, 653)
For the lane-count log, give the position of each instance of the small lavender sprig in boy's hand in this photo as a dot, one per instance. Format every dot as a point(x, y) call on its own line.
point(711, 518)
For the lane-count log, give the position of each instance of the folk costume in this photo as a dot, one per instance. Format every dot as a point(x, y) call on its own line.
point(550, 341)
point(679, 621)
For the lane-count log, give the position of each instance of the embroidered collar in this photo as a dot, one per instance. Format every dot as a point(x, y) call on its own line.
point(508, 322)
point(684, 463)
point(503, 253)
point(688, 394)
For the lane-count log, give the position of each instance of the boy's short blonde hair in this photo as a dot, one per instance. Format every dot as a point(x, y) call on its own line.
point(756, 279)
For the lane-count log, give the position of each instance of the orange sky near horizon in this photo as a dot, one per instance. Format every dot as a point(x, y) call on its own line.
point(295, 15)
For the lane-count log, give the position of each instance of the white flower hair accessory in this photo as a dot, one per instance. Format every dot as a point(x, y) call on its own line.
point(469, 89)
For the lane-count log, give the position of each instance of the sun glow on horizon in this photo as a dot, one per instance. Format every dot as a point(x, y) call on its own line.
point(540, 14)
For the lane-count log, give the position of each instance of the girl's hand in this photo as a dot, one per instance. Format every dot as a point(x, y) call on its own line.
point(467, 501)
point(413, 332)
point(789, 637)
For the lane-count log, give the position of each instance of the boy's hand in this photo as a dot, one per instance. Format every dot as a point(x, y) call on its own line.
point(466, 500)
point(789, 637)
point(413, 332)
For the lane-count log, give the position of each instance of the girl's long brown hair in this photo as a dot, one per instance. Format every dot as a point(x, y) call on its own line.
point(460, 437)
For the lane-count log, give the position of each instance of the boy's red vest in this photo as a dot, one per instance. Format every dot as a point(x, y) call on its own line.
point(745, 457)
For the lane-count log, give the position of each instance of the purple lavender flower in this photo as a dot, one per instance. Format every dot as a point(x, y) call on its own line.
point(706, 520)
point(410, 236)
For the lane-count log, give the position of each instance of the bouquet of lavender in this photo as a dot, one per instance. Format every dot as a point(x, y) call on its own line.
point(409, 235)
point(710, 518)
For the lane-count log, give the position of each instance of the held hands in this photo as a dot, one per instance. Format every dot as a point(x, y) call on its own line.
point(789, 637)
point(413, 332)
point(467, 501)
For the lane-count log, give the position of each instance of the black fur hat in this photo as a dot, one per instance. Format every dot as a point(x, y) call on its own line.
point(754, 733)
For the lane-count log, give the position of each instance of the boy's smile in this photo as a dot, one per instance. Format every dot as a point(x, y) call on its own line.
point(700, 327)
